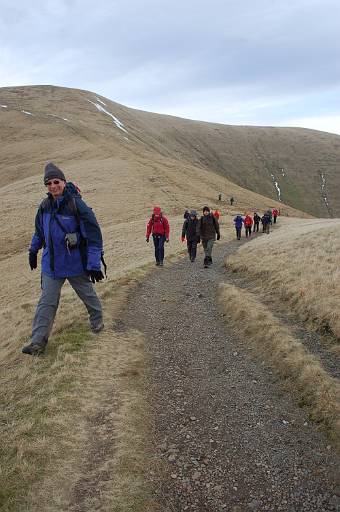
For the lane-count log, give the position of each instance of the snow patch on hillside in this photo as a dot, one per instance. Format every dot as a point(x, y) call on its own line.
point(278, 190)
point(116, 121)
point(27, 113)
point(323, 189)
point(100, 101)
point(3, 106)
point(58, 117)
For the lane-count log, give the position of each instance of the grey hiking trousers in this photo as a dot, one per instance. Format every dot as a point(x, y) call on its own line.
point(208, 247)
point(49, 302)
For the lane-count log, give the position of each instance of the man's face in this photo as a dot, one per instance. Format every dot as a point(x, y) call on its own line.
point(205, 212)
point(55, 187)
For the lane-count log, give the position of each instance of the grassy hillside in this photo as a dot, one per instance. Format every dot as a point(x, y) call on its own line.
point(68, 125)
point(48, 404)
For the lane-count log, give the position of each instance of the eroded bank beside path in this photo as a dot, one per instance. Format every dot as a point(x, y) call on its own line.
point(226, 435)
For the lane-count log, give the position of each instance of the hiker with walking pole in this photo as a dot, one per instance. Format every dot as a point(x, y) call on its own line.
point(68, 231)
point(208, 230)
point(158, 227)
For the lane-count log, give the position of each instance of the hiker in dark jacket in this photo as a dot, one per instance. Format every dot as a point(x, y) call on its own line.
point(186, 214)
point(189, 231)
point(158, 227)
point(208, 230)
point(67, 230)
point(265, 223)
point(257, 220)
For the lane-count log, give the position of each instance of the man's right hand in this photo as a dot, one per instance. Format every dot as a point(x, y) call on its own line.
point(33, 260)
point(147, 240)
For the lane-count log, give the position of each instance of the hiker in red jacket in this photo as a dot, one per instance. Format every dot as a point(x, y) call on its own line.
point(248, 222)
point(275, 214)
point(217, 214)
point(158, 226)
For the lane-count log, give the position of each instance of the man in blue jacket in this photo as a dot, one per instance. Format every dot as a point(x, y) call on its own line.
point(68, 231)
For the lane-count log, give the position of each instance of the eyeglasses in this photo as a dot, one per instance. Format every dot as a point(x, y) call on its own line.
point(54, 182)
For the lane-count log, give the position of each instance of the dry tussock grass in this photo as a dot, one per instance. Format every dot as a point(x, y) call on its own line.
point(299, 264)
point(47, 405)
point(302, 371)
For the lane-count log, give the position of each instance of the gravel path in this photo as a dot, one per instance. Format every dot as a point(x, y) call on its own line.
point(230, 438)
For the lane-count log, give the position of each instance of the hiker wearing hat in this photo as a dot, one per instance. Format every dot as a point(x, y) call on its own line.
point(158, 227)
point(68, 232)
point(189, 231)
point(208, 230)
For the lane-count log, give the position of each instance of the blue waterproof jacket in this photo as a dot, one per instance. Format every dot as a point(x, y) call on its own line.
point(238, 221)
point(67, 214)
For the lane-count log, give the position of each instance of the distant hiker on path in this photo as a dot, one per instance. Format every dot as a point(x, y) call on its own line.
point(67, 230)
point(208, 231)
point(265, 223)
point(248, 222)
point(158, 227)
point(257, 220)
point(220, 197)
point(232, 201)
point(238, 221)
point(275, 214)
point(189, 231)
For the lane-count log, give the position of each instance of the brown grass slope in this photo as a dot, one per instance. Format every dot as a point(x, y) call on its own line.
point(248, 156)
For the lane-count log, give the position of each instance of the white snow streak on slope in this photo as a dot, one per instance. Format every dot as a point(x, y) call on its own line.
point(323, 188)
point(3, 106)
point(277, 187)
point(115, 119)
point(58, 117)
point(27, 113)
point(100, 101)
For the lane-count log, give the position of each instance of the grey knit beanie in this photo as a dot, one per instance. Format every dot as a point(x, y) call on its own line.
point(52, 171)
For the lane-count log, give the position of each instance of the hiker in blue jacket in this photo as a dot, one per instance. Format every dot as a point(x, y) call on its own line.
point(67, 230)
point(238, 221)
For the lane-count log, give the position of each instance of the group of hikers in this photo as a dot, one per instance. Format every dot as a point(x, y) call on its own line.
point(269, 217)
point(70, 236)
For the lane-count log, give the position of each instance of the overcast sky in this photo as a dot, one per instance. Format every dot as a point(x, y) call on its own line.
point(258, 62)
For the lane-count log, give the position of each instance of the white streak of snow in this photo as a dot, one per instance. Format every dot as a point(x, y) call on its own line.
point(277, 187)
point(3, 106)
point(126, 138)
point(116, 121)
point(27, 113)
point(100, 101)
point(323, 189)
point(58, 117)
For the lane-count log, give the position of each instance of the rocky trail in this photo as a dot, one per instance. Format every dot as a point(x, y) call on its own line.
point(226, 436)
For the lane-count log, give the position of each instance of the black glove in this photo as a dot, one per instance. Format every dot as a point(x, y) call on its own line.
point(218, 236)
point(95, 275)
point(33, 259)
point(147, 240)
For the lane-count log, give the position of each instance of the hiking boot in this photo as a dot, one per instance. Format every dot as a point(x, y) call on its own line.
point(34, 349)
point(192, 260)
point(157, 263)
point(98, 328)
point(161, 263)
